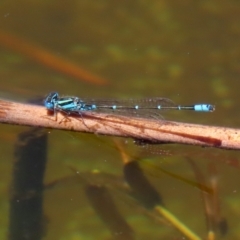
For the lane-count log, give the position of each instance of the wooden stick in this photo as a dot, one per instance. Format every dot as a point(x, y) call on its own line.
point(146, 130)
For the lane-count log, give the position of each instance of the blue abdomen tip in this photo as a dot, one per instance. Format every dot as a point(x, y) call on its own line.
point(204, 108)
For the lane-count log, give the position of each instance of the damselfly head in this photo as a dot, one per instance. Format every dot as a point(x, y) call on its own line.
point(51, 100)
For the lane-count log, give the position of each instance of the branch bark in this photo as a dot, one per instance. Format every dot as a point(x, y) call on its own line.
point(146, 130)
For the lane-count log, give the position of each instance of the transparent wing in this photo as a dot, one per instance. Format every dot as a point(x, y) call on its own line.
point(147, 107)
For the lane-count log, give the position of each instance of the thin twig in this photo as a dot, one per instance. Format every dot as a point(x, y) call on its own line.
point(148, 130)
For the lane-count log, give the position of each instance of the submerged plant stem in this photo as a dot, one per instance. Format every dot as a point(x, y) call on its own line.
point(176, 223)
point(48, 59)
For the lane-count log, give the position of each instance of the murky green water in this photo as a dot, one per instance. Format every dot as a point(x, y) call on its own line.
point(187, 51)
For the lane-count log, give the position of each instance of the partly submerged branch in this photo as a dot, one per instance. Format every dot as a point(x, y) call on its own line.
point(146, 130)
